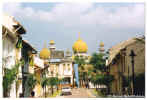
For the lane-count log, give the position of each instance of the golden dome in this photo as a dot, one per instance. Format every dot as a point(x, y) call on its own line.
point(80, 46)
point(44, 53)
point(101, 44)
point(52, 42)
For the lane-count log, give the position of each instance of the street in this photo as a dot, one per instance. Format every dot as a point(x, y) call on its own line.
point(79, 93)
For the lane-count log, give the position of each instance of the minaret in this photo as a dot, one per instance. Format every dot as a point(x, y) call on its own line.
point(101, 47)
point(68, 53)
point(52, 45)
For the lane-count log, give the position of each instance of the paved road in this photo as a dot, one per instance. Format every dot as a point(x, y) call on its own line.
point(79, 93)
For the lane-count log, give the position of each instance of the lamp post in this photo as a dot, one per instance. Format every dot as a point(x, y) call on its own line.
point(132, 55)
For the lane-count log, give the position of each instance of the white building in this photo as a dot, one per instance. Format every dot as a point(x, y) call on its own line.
point(60, 63)
point(11, 54)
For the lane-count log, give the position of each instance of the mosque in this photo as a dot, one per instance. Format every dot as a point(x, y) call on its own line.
point(61, 63)
point(80, 48)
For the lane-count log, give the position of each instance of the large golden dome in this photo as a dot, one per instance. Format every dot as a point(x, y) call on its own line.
point(80, 46)
point(44, 53)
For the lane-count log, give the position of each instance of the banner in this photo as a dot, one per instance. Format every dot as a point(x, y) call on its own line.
point(76, 74)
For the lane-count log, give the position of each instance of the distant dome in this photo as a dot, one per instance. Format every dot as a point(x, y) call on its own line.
point(80, 46)
point(52, 42)
point(101, 44)
point(44, 53)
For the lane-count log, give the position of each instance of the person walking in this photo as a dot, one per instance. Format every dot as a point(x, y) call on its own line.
point(32, 94)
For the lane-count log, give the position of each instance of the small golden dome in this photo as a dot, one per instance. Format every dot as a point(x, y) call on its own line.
point(80, 46)
point(44, 53)
point(101, 44)
point(52, 42)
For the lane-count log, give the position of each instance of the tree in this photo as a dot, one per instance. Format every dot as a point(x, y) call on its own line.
point(31, 82)
point(10, 75)
point(98, 75)
point(44, 83)
point(80, 61)
point(98, 62)
point(53, 81)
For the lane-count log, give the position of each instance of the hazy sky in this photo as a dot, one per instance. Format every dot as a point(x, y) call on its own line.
point(61, 22)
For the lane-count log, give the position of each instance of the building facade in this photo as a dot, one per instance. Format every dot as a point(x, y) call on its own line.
point(60, 63)
point(11, 54)
point(120, 66)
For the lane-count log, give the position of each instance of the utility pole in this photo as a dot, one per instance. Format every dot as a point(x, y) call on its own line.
point(132, 55)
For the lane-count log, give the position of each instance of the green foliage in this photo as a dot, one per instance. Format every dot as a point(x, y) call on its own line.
point(44, 82)
point(9, 77)
point(31, 61)
point(102, 79)
point(98, 75)
point(98, 62)
point(31, 81)
point(53, 81)
point(80, 61)
point(19, 43)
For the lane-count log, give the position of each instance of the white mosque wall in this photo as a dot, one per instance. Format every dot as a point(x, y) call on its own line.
point(68, 69)
point(64, 69)
point(39, 62)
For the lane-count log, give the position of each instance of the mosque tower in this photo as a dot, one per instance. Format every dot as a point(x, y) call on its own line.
point(68, 53)
point(52, 45)
point(101, 47)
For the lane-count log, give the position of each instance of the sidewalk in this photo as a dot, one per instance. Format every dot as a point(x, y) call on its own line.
point(93, 92)
point(90, 94)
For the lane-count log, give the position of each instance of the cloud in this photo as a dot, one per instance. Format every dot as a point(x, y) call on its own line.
point(96, 22)
point(77, 14)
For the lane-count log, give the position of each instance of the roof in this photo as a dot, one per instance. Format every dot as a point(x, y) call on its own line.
point(14, 26)
point(57, 54)
point(28, 44)
point(55, 60)
point(114, 51)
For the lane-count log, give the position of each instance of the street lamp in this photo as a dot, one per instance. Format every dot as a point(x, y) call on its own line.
point(132, 55)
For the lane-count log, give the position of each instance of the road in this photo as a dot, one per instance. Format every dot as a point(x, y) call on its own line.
point(79, 93)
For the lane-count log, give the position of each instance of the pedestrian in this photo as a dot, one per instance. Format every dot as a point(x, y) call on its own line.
point(21, 95)
point(32, 94)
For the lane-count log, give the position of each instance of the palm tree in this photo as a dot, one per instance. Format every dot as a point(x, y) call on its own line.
point(10, 75)
point(53, 81)
point(31, 82)
point(44, 83)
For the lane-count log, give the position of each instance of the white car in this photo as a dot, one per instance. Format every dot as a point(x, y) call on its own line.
point(66, 90)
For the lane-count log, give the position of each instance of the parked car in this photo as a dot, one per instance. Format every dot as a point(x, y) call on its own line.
point(66, 90)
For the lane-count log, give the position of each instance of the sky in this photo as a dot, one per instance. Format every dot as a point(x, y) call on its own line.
point(110, 23)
